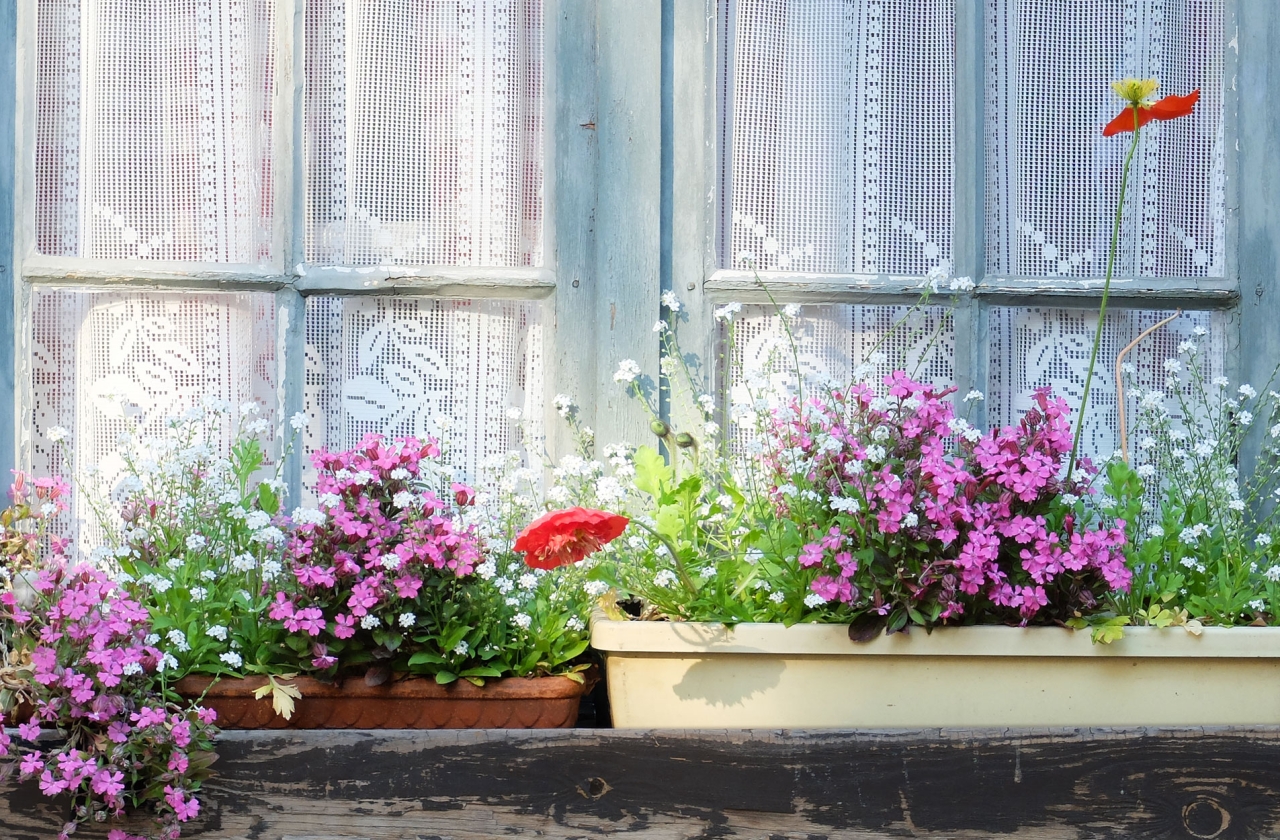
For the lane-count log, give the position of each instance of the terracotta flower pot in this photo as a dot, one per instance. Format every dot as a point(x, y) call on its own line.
point(412, 703)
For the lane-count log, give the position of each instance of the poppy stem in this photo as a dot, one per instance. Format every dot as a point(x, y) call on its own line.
point(1106, 293)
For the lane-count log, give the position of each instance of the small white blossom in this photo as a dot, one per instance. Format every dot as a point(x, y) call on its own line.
point(195, 542)
point(791, 310)
point(1247, 392)
point(627, 371)
point(270, 569)
point(1146, 471)
point(407, 620)
point(726, 312)
point(199, 593)
point(575, 624)
point(487, 570)
point(974, 395)
point(217, 631)
point(232, 658)
point(813, 599)
point(1272, 573)
point(670, 301)
point(370, 621)
point(131, 669)
point(528, 581)
point(522, 620)
point(1172, 365)
point(1262, 540)
point(595, 588)
point(56, 434)
point(151, 638)
point(1258, 605)
point(403, 499)
point(462, 648)
point(299, 421)
point(665, 578)
point(166, 662)
point(659, 326)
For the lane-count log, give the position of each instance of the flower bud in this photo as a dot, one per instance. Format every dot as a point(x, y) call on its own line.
point(659, 428)
point(684, 440)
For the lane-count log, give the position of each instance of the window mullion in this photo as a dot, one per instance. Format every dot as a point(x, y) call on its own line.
point(968, 209)
point(8, 393)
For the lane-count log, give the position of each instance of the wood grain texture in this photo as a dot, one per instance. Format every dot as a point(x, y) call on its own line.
point(1189, 783)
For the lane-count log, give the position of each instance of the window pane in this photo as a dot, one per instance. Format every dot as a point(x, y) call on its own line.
point(468, 372)
point(153, 136)
point(1053, 179)
point(1034, 347)
point(829, 342)
point(108, 363)
point(840, 135)
point(424, 132)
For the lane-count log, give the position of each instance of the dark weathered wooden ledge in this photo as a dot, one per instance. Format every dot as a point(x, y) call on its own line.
point(403, 785)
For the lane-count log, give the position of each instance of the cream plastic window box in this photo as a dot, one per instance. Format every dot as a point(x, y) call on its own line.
point(676, 675)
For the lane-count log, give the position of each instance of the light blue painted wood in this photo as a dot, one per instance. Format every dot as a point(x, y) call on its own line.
point(8, 165)
point(968, 207)
point(628, 207)
point(571, 176)
point(1258, 88)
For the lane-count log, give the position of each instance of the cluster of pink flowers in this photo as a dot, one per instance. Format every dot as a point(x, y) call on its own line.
point(969, 523)
point(359, 572)
point(93, 667)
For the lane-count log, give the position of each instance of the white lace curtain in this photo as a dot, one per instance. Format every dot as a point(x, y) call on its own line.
point(839, 134)
point(424, 132)
point(1053, 179)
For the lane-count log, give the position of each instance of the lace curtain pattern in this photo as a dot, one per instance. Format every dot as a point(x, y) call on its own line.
point(1053, 179)
point(839, 133)
point(1035, 347)
point(469, 372)
point(153, 135)
point(424, 132)
point(104, 364)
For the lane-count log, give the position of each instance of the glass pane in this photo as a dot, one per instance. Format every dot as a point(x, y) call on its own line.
point(839, 135)
point(1053, 179)
point(1034, 347)
point(468, 372)
point(108, 363)
point(153, 135)
point(424, 132)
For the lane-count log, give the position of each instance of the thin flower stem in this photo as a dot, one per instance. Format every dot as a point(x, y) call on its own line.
point(1106, 292)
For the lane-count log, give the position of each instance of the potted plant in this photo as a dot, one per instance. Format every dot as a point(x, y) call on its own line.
point(405, 606)
point(81, 658)
point(862, 565)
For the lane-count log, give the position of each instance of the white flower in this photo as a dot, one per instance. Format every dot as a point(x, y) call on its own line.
point(791, 310)
point(407, 620)
point(1272, 573)
point(659, 326)
point(179, 640)
point(487, 570)
point(522, 621)
point(1069, 498)
point(962, 284)
point(1204, 449)
point(574, 623)
point(199, 593)
point(1146, 471)
point(595, 588)
point(670, 301)
point(195, 542)
point(1199, 331)
point(707, 403)
point(462, 648)
point(1247, 392)
point(403, 499)
point(1262, 540)
point(257, 519)
point(777, 597)
point(232, 658)
point(271, 568)
point(627, 371)
point(975, 395)
point(56, 434)
point(813, 599)
point(167, 661)
point(1187, 347)
point(299, 421)
point(1237, 505)
point(370, 621)
point(845, 505)
point(753, 555)
point(131, 669)
point(209, 575)
point(1128, 369)
point(270, 535)
point(528, 581)
point(1155, 531)
point(665, 578)
point(1220, 381)
point(217, 631)
point(1258, 605)
point(1172, 365)
point(563, 403)
point(726, 312)
point(876, 453)
point(399, 474)
point(910, 520)
point(151, 638)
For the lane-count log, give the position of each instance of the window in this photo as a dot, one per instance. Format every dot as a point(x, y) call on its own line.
point(389, 214)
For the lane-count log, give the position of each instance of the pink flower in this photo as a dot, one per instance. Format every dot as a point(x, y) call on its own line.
point(344, 626)
point(183, 808)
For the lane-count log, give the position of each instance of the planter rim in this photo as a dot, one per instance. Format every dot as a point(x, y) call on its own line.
point(702, 638)
point(535, 688)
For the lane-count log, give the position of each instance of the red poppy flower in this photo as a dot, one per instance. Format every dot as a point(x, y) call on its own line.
point(562, 537)
point(1169, 108)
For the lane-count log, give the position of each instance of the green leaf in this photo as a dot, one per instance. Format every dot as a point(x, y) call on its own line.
point(651, 471)
point(446, 677)
point(426, 657)
point(268, 500)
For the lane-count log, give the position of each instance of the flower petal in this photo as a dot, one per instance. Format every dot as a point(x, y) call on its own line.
point(1169, 108)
